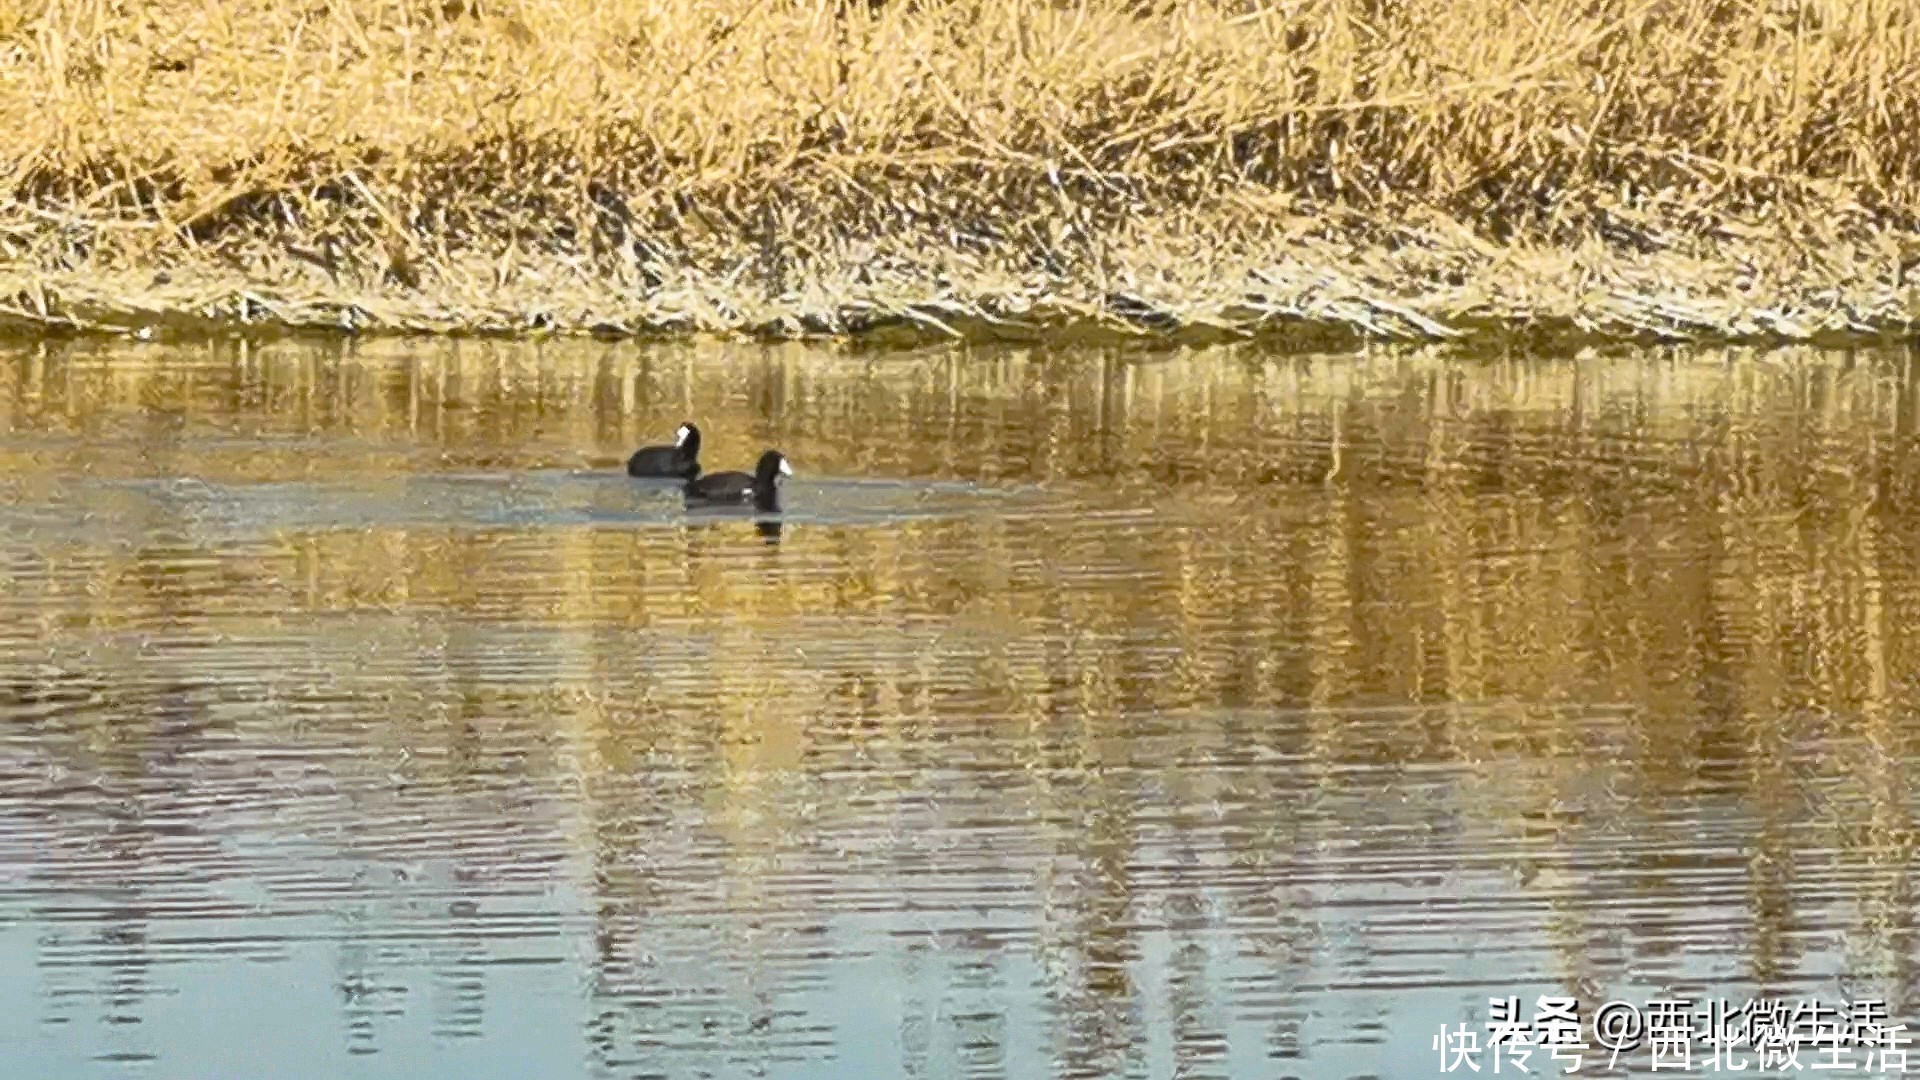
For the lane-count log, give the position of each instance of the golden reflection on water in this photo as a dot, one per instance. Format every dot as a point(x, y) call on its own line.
point(1209, 712)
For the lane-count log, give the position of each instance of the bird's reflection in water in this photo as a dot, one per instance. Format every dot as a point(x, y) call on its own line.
point(770, 528)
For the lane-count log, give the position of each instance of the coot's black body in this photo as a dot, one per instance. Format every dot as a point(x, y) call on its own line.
point(761, 488)
point(681, 461)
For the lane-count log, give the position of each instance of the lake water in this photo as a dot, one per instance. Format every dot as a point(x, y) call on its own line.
point(1212, 714)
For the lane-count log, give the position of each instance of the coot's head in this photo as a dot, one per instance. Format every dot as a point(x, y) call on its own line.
point(772, 470)
point(687, 439)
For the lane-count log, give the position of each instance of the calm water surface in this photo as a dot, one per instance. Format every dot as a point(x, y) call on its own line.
point(1085, 716)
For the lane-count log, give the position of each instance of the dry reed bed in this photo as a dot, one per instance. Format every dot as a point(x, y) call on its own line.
point(1315, 170)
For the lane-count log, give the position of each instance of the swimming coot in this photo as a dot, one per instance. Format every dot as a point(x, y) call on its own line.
point(762, 488)
point(681, 461)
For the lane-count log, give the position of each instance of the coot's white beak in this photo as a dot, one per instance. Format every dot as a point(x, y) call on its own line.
point(680, 436)
point(785, 469)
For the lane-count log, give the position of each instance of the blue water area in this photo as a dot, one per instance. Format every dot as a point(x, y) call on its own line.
point(86, 509)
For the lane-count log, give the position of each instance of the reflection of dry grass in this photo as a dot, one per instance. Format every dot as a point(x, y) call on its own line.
point(1689, 168)
point(1509, 492)
point(1565, 581)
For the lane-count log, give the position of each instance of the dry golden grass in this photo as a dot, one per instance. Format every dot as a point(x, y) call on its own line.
point(1414, 168)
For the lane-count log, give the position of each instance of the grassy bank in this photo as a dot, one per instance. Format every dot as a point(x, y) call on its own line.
point(1321, 169)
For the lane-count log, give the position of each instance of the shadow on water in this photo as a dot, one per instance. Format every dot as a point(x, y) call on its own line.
point(212, 513)
point(1079, 715)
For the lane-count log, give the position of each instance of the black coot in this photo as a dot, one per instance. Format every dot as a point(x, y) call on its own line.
point(762, 488)
point(681, 461)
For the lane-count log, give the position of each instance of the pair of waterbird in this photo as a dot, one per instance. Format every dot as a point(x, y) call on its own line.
point(681, 461)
